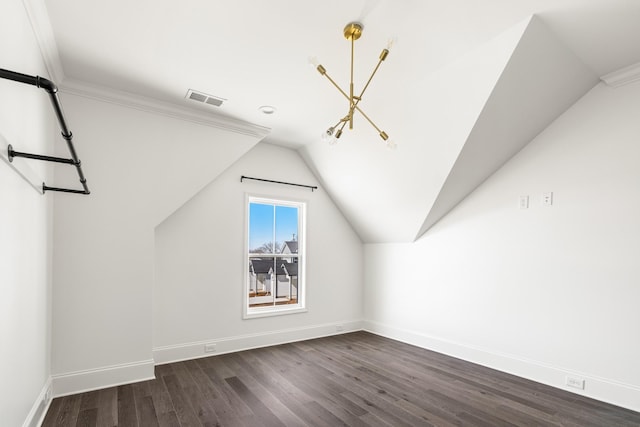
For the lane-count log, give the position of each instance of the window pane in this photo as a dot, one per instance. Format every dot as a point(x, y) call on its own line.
point(262, 281)
point(261, 228)
point(286, 290)
point(287, 229)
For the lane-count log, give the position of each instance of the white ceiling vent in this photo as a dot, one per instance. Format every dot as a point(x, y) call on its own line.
point(203, 97)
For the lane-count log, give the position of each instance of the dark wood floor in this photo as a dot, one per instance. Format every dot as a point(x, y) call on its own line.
point(354, 379)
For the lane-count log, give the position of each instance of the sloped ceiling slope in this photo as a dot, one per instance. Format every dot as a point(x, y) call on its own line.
point(541, 80)
point(475, 113)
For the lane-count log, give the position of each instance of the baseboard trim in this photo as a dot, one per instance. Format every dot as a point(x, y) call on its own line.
point(108, 376)
point(40, 407)
point(195, 350)
point(603, 389)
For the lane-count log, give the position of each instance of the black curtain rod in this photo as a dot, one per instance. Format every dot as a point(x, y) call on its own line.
point(52, 90)
point(312, 187)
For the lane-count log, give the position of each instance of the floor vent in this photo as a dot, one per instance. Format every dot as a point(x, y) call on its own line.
point(203, 97)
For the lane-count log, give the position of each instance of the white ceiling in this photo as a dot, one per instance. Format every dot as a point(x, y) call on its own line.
point(457, 68)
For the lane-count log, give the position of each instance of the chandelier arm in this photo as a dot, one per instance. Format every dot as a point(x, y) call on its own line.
point(375, 70)
point(336, 85)
point(344, 123)
point(368, 119)
point(351, 104)
point(355, 105)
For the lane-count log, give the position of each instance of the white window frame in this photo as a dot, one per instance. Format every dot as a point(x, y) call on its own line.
point(276, 310)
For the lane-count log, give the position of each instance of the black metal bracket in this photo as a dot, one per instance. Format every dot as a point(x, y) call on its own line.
point(312, 187)
point(12, 153)
point(52, 90)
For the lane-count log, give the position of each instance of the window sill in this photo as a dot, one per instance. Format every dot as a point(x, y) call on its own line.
point(256, 313)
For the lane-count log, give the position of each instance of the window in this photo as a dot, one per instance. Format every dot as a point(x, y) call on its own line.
point(274, 281)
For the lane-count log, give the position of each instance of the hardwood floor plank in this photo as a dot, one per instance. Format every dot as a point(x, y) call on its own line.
point(352, 378)
point(266, 395)
point(371, 420)
point(146, 412)
point(89, 400)
point(355, 379)
point(162, 404)
point(87, 418)
point(107, 405)
point(126, 406)
point(214, 370)
point(257, 407)
point(323, 390)
point(69, 410)
point(432, 415)
point(183, 409)
point(52, 414)
point(376, 410)
point(321, 413)
point(168, 419)
point(281, 386)
point(216, 399)
point(197, 397)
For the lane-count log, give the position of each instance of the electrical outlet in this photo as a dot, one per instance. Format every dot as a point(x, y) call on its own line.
point(547, 199)
point(524, 202)
point(209, 348)
point(339, 328)
point(575, 382)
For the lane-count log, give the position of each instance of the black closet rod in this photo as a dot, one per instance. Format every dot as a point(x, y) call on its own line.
point(278, 182)
point(52, 90)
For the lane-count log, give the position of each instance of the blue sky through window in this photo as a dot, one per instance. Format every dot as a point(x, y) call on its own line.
point(261, 224)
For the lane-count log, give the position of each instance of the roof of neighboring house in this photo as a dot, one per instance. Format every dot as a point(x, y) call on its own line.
point(264, 266)
point(291, 267)
point(292, 245)
point(261, 266)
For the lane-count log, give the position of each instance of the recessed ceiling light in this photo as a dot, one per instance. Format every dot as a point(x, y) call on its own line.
point(267, 109)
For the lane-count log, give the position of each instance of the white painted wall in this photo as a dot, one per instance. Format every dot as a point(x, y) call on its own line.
point(26, 122)
point(540, 292)
point(199, 259)
point(140, 167)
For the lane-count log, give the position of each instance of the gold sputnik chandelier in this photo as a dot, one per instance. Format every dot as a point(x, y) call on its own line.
point(352, 32)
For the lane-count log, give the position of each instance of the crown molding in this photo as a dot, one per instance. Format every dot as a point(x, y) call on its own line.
point(41, 25)
point(155, 106)
point(623, 76)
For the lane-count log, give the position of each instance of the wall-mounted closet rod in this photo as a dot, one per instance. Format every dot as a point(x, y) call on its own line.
point(52, 90)
point(312, 187)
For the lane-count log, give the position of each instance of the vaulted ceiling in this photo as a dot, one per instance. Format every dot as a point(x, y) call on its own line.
point(466, 86)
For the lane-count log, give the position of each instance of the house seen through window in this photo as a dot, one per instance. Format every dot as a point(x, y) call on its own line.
point(275, 258)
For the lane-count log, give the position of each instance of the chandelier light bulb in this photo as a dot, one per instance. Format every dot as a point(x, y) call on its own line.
point(314, 61)
point(391, 145)
point(392, 42)
point(327, 135)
